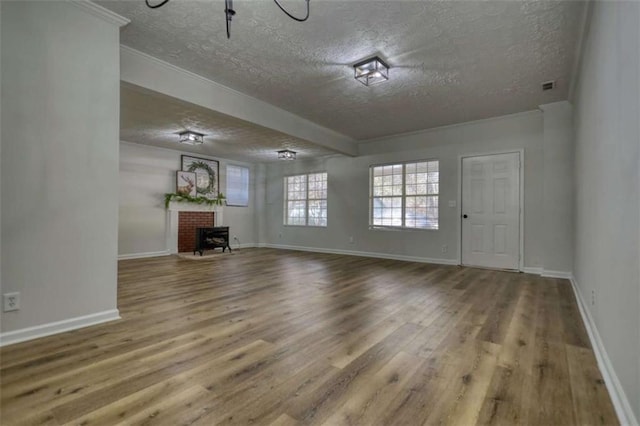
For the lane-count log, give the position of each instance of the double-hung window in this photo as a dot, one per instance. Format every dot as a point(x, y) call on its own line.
point(405, 195)
point(305, 200)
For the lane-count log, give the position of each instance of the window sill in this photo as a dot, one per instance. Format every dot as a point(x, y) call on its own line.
point(305, 226)
point(399, 228)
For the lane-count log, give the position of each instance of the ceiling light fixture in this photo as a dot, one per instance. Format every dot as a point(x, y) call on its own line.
point(229, 12)
point(371, 71)
point(191, 138)
point(287, 154)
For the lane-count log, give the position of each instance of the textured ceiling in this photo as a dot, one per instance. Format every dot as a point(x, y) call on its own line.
point(151, 118)
point(452, 61)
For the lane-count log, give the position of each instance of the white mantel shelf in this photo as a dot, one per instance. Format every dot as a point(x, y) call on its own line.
point(185, 206)
point(176, 207)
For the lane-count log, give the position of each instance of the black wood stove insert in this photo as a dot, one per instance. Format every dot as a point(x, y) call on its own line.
point(210, 238)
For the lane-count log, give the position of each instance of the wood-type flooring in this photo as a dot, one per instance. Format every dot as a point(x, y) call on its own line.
point(278, 337)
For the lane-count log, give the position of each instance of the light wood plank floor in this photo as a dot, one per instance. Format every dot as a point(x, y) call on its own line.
point(284, 338)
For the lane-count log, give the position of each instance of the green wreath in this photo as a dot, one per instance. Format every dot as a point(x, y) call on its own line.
point(182, 198)
point(209, 189)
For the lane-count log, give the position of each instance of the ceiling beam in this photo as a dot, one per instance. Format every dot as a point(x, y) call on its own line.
point(151, 73)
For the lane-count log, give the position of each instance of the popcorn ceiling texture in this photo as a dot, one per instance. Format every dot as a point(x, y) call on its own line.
point(151, 118)
point(452, 61)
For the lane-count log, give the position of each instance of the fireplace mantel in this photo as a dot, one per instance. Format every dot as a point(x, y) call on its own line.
point(185, 206)
point(172, 219)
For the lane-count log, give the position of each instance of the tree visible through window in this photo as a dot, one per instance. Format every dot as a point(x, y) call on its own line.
point(405, 195)
point(306, 200)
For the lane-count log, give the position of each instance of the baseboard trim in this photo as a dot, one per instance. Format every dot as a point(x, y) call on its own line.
point(618, 397)
point(143, 255)
point(556, 274)
point(366, 254)
point(547, 273)
point(243, 245)
point(30, 333)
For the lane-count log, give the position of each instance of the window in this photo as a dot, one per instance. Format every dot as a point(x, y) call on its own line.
point(305, 200)
point(237, 186)
point(405, 195)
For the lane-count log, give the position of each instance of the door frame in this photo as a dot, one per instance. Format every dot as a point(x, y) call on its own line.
point(521, 201)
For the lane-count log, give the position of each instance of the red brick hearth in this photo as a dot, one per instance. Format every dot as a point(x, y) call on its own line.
point(187, 224)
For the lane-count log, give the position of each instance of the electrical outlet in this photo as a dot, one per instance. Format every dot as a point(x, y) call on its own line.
point(593, 298)
point(11, 301)
point(444, 248)
point(351, 240)
point(235, 238)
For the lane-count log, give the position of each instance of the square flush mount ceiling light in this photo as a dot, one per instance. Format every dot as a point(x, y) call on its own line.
point(371, 71)
point(191, 138)
point(287, 154)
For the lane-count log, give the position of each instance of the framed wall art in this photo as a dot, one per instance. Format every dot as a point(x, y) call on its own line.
point(186, 183)
point(206, 175)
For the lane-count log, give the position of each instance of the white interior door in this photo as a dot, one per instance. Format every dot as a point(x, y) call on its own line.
point(491, 211)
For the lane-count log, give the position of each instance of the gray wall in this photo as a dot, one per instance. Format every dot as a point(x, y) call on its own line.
point(607, 209)
point(60, 124)
point(349, 187)
point(558, 188)
point(146, 174)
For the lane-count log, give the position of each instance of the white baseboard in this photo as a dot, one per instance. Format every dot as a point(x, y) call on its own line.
point(556, 274)
point(168, 253)
point(143, 255)
point(546, 273)
point(243, 245)
point(618, 397)
point(51, 328)
point(365, 254)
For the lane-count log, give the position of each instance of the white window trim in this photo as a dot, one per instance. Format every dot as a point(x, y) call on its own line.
point(306, 217)
point(403, 196)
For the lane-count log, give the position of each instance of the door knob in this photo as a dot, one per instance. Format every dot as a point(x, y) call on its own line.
point(465, 216)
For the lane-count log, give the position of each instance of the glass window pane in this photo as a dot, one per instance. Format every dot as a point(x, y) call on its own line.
point(298, 190)
point(418, 183)
point(237, 186)
point(421, 167)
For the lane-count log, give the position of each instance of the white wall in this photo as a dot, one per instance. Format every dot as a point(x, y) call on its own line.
point(558, 188)
point(146, 174)
point(607, 211)
point(60, 124)
point(349, 186)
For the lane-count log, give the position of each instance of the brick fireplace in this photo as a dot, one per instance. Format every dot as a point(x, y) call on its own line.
point(187, 224)
point(183, 219)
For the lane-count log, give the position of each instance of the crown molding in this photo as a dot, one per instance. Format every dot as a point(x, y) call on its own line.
point(100, 12)
point(451, 126)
